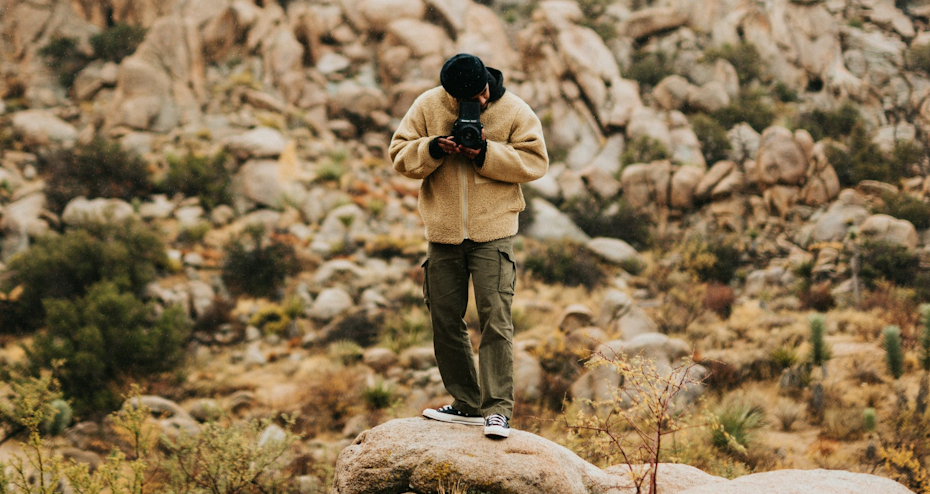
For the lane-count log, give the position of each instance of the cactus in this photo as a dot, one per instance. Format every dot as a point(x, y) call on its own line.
point(59, 419)
point(869, 420)
point(820, 351)
point(894, 355)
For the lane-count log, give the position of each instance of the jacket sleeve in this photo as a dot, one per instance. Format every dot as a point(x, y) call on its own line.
point(410, 145)
point(523, 158)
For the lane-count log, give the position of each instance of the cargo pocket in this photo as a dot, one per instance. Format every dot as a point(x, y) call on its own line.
point(426, 282)
point(508, 278)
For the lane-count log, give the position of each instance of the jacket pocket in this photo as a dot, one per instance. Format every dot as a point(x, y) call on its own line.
point(425, 267)
point(508, 277)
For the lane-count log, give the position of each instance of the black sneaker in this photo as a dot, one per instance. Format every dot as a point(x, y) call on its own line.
point(496, 425)
point(449, 414)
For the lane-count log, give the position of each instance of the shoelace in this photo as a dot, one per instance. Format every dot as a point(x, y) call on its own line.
point(451, 409)
point(497, 420)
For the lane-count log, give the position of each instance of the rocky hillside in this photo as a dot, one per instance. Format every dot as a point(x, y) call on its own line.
point(720, 171)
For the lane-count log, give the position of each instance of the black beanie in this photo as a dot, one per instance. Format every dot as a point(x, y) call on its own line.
point(463, 76)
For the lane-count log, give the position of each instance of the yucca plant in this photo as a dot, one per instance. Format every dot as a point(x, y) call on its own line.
point(894, 355)
point(738, 425)
point(820, 351)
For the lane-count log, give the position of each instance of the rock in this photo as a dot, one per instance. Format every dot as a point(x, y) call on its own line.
point(380, 359)
point(484, 35)
point(780, 158)
point(884, 228)
point(173, 420)
point(158, 208)
point(635, 322)
point(260, 142)
point(330, 303)
point(803, 482)
point(890, 18)
point(41, 128)
point(81, 210)
point(357, 100)
point(20, 221)
point(600, 182)
point(613, 250)
point(436, 457)
point(573, 317)
point(848, 210)
point(646, 122)
point(744, 142)
point(552, 224)
point(379, 13)
point(264, 182)
point(419, 358)
point(201, 297)
point(713, 177)
point(648, 21)
point(710, 97)
point(527, 376)
point(644, 184)
point(685, 182)
point(730, 185)
point(608, 158)
point(672, 93)
point(780, 199)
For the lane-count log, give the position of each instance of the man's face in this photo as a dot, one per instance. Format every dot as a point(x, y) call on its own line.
point(482, 97)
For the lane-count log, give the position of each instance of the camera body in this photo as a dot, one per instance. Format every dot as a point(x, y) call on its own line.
point(467, 129)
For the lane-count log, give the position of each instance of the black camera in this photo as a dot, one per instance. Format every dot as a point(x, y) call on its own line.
point(467, 129)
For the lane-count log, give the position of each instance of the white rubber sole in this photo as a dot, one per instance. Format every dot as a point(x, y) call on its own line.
point(496, 431)
point(452, 419)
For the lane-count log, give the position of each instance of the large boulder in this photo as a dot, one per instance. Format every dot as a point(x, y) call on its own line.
point(260, 142)
point(644, 184)
point(21, 221)
point(781, 159)
point(41, 127)
point(803, 482)
point(646, 22)
point(849, 210)
point(422, 455)
point(887, 229)
point(82, 211)
point(613, 250)
point(551, 224)
point(684, 185)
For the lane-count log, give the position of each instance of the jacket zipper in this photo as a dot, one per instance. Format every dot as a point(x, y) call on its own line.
point(464, 202)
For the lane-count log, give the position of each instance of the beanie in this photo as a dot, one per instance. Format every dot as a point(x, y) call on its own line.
point(463, 76)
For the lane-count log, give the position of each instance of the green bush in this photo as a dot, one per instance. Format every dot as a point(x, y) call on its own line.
point(644, 149)
point(743, 56)
point(712, 136)
point(918, 58)
point(834, 124)
point(750, 107)
point(65, 266)
point(117, 42)
point(881, 260)
point(616, 219)
point(784, 92)
point(820, 351)
point(104, 339)
point(861, 160)
point(714, 259)
point(649, 68)
point(256, 267)
point(905, 155)
point(62, 56)
point(98, 169)
point(565, 262)
point(905, 207)
point(200, 176)
point(738, 425)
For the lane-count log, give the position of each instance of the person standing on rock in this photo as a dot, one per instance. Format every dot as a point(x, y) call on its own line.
point(469, 202)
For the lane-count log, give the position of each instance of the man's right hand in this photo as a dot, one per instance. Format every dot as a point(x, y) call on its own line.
point(448, 145)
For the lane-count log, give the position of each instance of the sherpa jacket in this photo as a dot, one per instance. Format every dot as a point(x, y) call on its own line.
point(459, 199)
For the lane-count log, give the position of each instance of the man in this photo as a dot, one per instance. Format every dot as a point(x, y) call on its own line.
point(469, 202)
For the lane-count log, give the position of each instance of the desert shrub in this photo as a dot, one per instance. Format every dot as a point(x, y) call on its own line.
point(842, 423)
point(65, 266)
point(905, 207)
point(565, 262)
point(712, 136)
point(924, 338)
point(200, 176)
point(359, 327)
point(105, 338)
point(833, 124)
point(743, 56)
point(719, 298)
point(379, 395)
point(905, 156)
point(649, 67)
point(714, 259)
point(405, 329)
point(861, 160)
point(749, 106)
point(117, 42)
point(918, 58)
point(785, 356)
point(738, 425)
point(881, 260)
point(98, 169)
point(616, 219)
point(334, 398)
point(562, 364)
point(255, 266)
point(787, 412)
point(894, 354)
point(644, 149)
point(784, 92)
point(63, 57)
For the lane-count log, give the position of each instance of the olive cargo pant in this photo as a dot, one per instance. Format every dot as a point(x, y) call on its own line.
point(445, 288)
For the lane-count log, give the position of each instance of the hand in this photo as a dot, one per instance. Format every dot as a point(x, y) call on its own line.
point(448, 145)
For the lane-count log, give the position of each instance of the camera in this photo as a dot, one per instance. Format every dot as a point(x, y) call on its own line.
point(467, 129)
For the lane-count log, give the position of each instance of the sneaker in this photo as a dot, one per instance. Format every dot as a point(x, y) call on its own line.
point(450, 414)
point(496, 425)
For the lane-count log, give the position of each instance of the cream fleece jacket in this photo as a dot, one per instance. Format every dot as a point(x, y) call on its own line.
point(458, 199)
